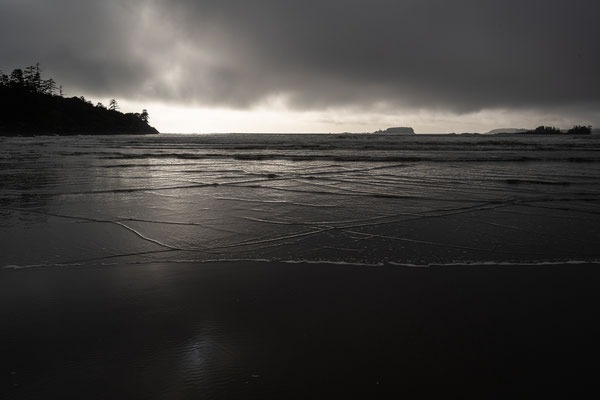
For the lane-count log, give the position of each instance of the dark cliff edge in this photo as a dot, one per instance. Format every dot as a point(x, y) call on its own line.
point(26, 113)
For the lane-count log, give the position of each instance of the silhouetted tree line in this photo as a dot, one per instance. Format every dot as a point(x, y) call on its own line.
point(30, 104)
point(580, 130)
point(550, 130)
point(30, 80)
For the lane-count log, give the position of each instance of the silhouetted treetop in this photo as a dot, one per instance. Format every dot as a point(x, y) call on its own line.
point(144, 115)
point(113, 105)
point(580, 130)
point(29, 79)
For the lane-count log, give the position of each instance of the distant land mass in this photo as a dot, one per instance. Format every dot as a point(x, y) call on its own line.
point(401, 130)
point(544, 130)
point(30, 105)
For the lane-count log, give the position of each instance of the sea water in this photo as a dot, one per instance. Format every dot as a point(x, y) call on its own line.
point(415, 200)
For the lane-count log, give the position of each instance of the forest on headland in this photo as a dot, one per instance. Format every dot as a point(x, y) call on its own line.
point(544, 130)
point(32, 105)
point(550, 130)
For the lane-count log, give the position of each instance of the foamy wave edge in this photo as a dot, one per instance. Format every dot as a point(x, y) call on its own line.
point(316, 262)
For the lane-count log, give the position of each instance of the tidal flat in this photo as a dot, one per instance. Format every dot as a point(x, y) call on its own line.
point(270, 266)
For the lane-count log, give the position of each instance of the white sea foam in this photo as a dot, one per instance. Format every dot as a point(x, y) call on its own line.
point(470, 264)
point(496, 264)
point(49, 265)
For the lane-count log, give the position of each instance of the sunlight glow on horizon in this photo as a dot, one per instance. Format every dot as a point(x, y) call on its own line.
point(276, 118)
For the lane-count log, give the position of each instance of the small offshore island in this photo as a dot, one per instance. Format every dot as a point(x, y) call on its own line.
point(401, 130)
point(30, 105)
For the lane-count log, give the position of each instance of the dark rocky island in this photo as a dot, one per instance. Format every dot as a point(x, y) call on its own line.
point(403, 130)
point(30, 105)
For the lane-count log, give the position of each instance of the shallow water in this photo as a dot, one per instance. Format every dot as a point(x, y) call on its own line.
point(358, 199)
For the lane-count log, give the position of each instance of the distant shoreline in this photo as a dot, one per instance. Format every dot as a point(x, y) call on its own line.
point(33, 106)
point(37, 114)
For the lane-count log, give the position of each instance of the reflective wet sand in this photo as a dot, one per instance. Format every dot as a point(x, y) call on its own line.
point(258, 330)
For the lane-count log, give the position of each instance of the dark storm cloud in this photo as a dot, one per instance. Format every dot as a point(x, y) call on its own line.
point(83, 44)
point(459, 55)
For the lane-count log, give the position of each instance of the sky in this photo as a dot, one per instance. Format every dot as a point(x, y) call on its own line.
point(319, 65)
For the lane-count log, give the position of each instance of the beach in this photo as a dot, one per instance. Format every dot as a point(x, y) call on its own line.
point(259, 330)
point(280, 200)
point(298, 266)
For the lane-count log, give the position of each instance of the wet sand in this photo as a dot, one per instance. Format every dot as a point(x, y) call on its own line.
point(268, 330)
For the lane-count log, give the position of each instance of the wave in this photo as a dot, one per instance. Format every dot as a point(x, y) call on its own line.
point(470, 264)
point(536, 182)
point(355, 157)
point(497, 263)
point(338, 148)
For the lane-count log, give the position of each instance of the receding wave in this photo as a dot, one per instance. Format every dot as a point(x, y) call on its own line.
point(534, 182)
point(367, 157)
point(472, 264)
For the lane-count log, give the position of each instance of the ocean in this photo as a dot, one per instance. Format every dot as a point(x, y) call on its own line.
point(359, 199)
point(249, 266)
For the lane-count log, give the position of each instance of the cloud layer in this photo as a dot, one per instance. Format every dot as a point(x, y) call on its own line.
point(458, 56)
